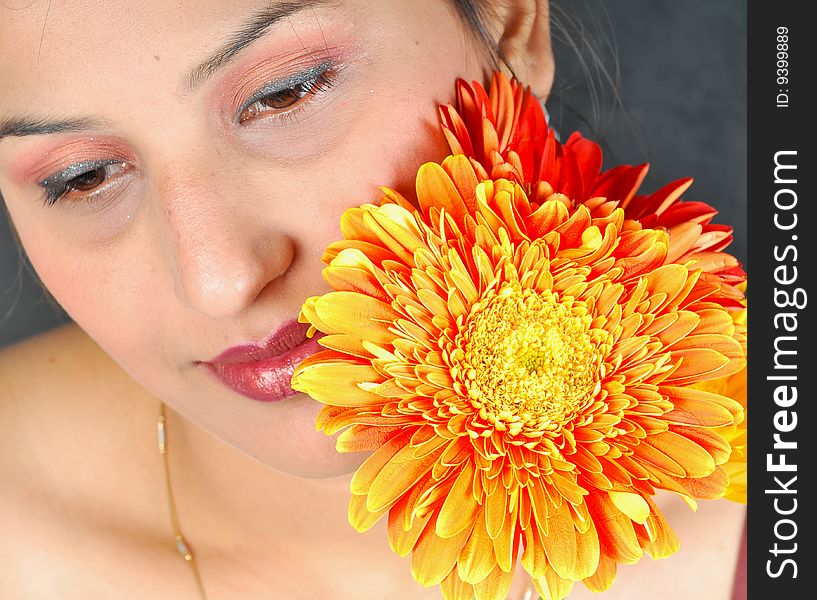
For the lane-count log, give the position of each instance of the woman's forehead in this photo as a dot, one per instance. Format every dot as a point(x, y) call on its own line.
point(48, 45)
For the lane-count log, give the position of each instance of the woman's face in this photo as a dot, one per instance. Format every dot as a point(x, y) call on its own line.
point(176, 169)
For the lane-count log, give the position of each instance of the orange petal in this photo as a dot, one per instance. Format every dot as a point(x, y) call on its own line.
point(661, 541)
point(435, 189)
point(366, 472)
point(434, 557)
point(397, 476)
point(588, 551)
point(460, 508)
point(699, 408)
point(617, 537)
point(496, 585)
point(604, 576)
point(552, 586)
point(695, 461)
point(462, 175)
point(361, 518)
point(364, 438)
point(454, 588)
point(402, 540)
point(696, 365)
point(560, 541)
point(476, 559)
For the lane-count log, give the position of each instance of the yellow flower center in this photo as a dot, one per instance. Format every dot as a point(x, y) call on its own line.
point(529, 355)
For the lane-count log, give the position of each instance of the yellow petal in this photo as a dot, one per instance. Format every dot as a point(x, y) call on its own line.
point(345, 344)
point(433, 302)
point(632, 505)
point(353, 227)
point(505, 542)
point(354, 279)
point(336, 383)
point(357, 315)
point(392, 236)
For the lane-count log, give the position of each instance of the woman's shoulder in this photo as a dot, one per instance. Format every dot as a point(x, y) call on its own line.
point(78, 464)
point(59, 358)
point(62, 374)
point(58, 392)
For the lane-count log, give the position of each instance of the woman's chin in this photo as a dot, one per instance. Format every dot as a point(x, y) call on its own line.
point(286, 439)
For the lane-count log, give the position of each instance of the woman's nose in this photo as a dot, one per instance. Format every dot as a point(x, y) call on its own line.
point(224, 253)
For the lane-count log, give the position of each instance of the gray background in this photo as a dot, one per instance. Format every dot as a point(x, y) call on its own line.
point(680, 72)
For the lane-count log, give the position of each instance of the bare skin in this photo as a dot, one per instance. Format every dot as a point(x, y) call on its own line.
point(206, 233)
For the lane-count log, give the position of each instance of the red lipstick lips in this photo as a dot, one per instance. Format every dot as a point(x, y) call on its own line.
point(263, 371)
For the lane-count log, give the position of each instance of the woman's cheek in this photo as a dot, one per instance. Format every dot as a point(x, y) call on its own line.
point(110, 292)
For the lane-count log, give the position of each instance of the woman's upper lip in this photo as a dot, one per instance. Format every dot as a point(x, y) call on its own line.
point(287, 336)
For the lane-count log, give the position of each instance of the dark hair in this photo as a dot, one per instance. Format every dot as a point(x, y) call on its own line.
point(473, 13)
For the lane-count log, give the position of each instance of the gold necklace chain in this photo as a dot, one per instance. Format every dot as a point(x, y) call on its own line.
point(181, 544)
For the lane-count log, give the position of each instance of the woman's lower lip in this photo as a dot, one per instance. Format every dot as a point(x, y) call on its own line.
point(266, 380)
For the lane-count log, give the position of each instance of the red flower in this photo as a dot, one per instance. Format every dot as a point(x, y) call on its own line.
point(505, 135)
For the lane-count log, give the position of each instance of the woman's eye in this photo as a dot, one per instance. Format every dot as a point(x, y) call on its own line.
point(88, 180)
point(281, 97)
point(84, 178)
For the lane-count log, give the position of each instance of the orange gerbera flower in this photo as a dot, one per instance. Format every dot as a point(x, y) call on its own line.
point(505, 134)
point(522, 371)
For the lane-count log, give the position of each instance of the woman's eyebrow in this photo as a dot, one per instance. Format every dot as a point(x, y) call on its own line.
point(22, 126)
point(255, 27)
point(252, 29)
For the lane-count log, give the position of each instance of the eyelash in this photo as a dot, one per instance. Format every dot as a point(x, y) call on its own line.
point(63, 182)
point(309, 83)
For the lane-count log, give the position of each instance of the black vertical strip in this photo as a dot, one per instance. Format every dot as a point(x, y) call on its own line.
point(781, 261)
